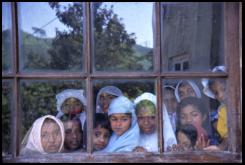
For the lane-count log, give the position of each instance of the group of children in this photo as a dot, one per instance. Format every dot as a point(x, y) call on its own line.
point(123, 125)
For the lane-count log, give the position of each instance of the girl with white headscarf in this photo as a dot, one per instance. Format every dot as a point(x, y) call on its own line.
point(150, 141)
point(129, 139)
point(112, 90)
point(72, 93)
point(35, 137)
point(192, 84)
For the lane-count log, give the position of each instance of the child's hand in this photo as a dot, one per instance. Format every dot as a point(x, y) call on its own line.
point(139, 149)
point(201, 143)
point(175, 148)
point(212, 148)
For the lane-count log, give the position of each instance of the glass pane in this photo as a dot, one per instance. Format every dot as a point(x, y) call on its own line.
point(7, 106)
point(197, 112)
point(7, 59)
point(125, 116)
point(192, 36)
point(51, 36)
point(63, 99)
point(123, 36)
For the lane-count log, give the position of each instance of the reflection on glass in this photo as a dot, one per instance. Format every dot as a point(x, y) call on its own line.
point(6, 116)
point(118, 126)
point(51, 36)
point(197, 110)
point(123, 37)
point(192, 36)
point(39, 98)
point(6, 37)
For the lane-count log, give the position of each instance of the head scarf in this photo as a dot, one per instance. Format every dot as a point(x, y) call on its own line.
point(168, 133)
point(192, 84)
point(33, 136)
point(110, 90)
point(68, 93)
point(205, 82)
point(129, 139)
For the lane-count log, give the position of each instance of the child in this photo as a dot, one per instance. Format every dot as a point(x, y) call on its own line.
point(171, 104)
point(71, 103)
point(187, 137)
point(101, 132)
point(216, 89)
point(146, 114)
point(73, 135)
point(123, 121)
point(105, 96)
point(186, 88)
point(191, 110)
point(45, 136)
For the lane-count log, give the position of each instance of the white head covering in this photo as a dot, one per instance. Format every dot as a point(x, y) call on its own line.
point(192, 84)
point(129, 139)
point(168, 133)
point(34, 136)
point(68, 93)
point(110, 90)
point(205, 82)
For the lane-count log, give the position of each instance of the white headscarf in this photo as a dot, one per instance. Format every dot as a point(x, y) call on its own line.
point(192, 84)
point(168, 133)
point(129, 139)
point(68, 93)
point(205, 82)
point(110, 90)
point(34, 136)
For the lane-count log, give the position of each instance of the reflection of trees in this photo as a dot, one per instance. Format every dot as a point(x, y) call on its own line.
point(6, 49)
point(6, 118)
point(114, 48)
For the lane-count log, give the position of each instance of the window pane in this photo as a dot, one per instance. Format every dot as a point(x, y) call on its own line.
point(51, 36)
point(197, 109)
point(7, 106)
point(126, 112)
point(7, 59)
point(123, 36)
point(193, 34)
point(65, 99)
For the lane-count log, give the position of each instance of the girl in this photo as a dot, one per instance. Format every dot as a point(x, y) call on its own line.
point(101, 132)
point(146, 112)
point(186, 88)
point(191, 110)
point(105, 96)
point(216, 89)
point(71, 103)
point(45, 136)
point(125, 136)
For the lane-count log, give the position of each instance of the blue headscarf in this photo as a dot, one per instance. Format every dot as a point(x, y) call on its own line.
point(129, 139)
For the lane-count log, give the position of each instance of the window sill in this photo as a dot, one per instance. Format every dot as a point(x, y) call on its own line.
point(78, 157)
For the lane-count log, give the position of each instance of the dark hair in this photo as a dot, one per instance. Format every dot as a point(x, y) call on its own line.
point(101, 120)
point(190, 131)
point(199, 104)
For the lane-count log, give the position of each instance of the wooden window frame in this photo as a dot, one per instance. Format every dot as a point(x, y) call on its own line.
point(232, 28)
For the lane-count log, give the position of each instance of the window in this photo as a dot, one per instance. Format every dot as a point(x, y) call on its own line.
point(137, 47)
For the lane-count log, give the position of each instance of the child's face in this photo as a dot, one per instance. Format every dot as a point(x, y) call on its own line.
point(218, 88)
point(120, 123)
point(146, 120)
point(191, 115)
point(72, 106)
point(170, 100)
point(51, 137)
point(105, 100)
point(73, 135)
point(185, 90)
point(100, 138)
point(184, 141)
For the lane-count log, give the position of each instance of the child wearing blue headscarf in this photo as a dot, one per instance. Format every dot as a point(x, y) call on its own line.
point(123, 121)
